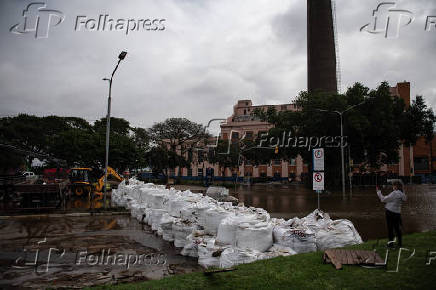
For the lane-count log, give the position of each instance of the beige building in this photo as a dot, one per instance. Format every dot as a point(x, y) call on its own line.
point(242, 124)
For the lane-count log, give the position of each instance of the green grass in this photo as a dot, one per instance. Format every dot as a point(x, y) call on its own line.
point(307, 271)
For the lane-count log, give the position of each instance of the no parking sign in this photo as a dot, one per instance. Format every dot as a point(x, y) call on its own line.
point(318, 181)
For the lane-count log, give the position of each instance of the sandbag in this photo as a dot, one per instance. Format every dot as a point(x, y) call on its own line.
point(166, 225)
point(231, 257)
point(227, 228)
point(301, 240)
point(255, 237)
point(213, 218)
point(181, 230)
point(339, 233)
point(217, 192)
point(209, 254)
point(154, 218)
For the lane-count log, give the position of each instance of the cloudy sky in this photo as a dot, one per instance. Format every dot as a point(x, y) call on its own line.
point(210, 54)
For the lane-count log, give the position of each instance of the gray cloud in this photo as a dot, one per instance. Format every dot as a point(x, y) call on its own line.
point(210, 54)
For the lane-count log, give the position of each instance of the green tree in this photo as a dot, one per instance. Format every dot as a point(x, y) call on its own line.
point(177, 136)
point(372, 129)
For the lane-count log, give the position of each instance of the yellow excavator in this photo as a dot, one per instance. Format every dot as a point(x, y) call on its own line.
point(84, 181)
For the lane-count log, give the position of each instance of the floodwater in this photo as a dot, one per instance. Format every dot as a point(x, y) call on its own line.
point(70, 235)
point(76, 243)
point(364, 208)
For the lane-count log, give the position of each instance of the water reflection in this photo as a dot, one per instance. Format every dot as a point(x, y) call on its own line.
point(364, 209)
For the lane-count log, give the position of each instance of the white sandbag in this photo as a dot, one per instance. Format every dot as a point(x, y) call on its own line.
point(316, 220)
point(227, 228)
point(217, 192)
point(301, 240)
point(181, 230)
point(213, 218)
point(196, 238)
point(231, 257)
point(176, 205)
point(154, 218)
point(275, 251)
point(257, 237)
point(147, 213)
point(138, 212)
point(166, 225)
point(201, 208)
point(189, 213)
point(209, 254)
point(339, 233)
point(157, 199)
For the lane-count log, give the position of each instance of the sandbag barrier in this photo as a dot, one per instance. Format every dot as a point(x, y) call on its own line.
point(222, 235)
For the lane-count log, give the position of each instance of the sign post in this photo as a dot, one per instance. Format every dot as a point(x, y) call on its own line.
point(318, 171)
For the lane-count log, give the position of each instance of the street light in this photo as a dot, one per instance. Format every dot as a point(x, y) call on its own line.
point(108, 121)
point(342, 137)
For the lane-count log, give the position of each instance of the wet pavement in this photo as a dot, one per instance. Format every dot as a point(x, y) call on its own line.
point(96, 249)
point(364, 208)
point(75, 252)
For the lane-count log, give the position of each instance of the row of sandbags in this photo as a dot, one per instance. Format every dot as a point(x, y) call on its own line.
point(223, 235)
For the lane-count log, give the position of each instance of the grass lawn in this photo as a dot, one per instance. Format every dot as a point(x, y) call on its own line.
point(307, 271)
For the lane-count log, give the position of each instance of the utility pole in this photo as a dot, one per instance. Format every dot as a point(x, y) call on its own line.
point(342, 138)
point(108, 123)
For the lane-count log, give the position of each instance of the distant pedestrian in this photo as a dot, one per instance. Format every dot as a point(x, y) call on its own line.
point(393, 202)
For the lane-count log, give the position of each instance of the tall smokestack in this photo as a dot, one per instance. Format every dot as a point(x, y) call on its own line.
point(321, 53)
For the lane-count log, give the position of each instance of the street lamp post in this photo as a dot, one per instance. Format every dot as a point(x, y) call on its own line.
point(108, 122)
point(342, 137)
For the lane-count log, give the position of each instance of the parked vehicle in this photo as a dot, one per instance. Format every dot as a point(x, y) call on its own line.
point(29, 174)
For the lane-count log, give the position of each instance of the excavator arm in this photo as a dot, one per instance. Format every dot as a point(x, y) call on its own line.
point(110, 170)
point(100, 181)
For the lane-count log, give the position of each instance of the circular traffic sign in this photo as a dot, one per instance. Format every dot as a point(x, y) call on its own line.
point(317, 177)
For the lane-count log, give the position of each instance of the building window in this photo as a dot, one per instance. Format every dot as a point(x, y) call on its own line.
point(235, 135)
point(225, 136)
point(292, 162)
point(171, 172)
point(249, 134)
point(284, 107)
point(246, 103)
point(189, 171)
point(277, 162)
point(421, 163)
point(200, 172)
point(200, 156)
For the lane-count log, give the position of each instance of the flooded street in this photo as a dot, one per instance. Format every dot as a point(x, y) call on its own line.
point(77, 249)
point(364, 209)
point(77, 259)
